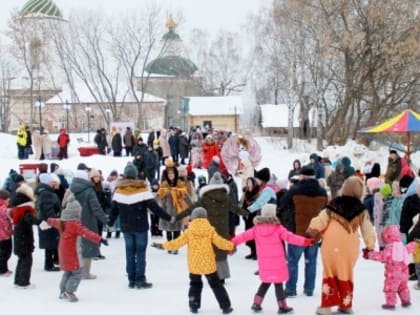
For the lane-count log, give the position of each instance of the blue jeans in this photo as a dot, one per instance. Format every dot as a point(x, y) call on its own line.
point(293, 256)
point(135, 255)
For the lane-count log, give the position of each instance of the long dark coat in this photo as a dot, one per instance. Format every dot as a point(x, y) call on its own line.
point(215, 199)
point(48, 205)
point(91, 212)
point(184, 147)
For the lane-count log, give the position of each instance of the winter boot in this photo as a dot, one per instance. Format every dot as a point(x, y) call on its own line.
point(388, 307)
point(256, 307)
point(86, 275)
point(117, 234)
point(283, 307)
point(323, 311)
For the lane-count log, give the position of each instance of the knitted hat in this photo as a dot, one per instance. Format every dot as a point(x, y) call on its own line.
point(307, 171)
point(352, 187)
point(83, 174)
point(48, 178)
point(73, 210)
point(93, 172)
point(216, 179)
point(130, 171)
point(82, 166)
point(4, 194)
point(198, 212)
point(263, 175)
point(373, 184)
point(53, 167)
point(385, 190)
point(391, 233)
point(405, 182)
point(18, 178)
point(268, 210)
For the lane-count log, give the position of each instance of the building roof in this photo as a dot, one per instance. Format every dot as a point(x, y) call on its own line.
point(215, 105)
point(41, 8)
point(277, 116)
point(172, 65)
point(85, 97)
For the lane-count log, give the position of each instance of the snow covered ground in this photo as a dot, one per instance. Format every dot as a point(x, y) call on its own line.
point(109, 294)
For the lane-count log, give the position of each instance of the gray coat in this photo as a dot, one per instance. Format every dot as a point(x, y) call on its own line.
point(91, 213)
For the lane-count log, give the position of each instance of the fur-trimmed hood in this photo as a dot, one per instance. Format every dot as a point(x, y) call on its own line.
point(266, 226)
point(130, 191)
point(211, 187)
point(266, 220)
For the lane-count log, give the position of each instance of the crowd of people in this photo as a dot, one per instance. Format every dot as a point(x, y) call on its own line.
point(320, 202)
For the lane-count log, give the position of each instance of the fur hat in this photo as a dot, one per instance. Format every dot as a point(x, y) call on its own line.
point(198, 212)
point(307, 171)
point(48, 178)
point(83, 174)
point(352, 187)
point(268, 210)
point(169, 163)
point(73, 210)
point(373, 184)
point(130, 171)
point(216, 179)
point(263, 174)
point(94, 172)
point(4, 194)
point(26, 190)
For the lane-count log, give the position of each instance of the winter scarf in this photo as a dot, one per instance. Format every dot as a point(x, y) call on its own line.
point(178, 194)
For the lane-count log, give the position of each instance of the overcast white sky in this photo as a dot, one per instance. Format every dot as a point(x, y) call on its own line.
point(210, 15)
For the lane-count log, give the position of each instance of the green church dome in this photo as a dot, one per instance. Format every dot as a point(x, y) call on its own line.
point(172, 65)
point(45, 8)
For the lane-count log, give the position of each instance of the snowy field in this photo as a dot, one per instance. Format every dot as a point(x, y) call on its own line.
point(109, 294)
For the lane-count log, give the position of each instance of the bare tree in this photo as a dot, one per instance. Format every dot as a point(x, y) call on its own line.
point(220, 62)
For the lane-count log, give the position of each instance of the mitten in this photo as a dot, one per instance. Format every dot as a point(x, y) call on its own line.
point(44, 226)
point(104, 241)
point(157, 245)
point(308, 242)
point(366, 253)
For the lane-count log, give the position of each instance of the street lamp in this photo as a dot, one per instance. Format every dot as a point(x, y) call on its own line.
point(39, 104)
point(88, 109)
point(67, 107)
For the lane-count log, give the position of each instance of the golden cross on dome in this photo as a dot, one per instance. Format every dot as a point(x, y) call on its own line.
point(170, 24)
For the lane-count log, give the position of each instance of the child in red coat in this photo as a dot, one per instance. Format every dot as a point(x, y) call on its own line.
point(70, 229)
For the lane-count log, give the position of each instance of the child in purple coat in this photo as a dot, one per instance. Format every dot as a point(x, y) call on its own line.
point(396, 257)
point(269, 235)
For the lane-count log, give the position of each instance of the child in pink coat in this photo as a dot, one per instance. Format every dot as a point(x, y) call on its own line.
point(6, 232)
point(396, 257)
point(269, 235)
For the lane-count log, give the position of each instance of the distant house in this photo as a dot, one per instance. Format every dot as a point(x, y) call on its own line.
point(275, 119)
point(65, 107)
point(215, 112)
